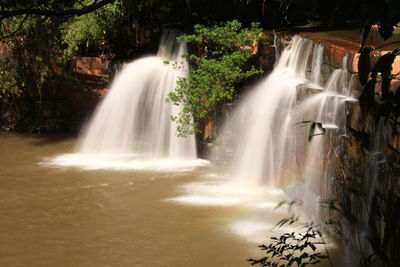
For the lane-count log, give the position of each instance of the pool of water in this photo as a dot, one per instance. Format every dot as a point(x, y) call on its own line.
point(52, 215)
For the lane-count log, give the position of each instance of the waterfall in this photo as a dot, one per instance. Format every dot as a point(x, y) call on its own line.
point(132, 128)
point(317, 60)
point(272, 123)
point(376, 158)
point(262, 123)
point(276, 48)
point(134, 117)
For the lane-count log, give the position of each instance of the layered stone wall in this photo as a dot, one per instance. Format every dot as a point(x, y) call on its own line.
point(365, 177)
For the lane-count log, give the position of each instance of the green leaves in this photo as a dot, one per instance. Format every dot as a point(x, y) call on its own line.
point(90, 30)
point(292, 249)
point(314, 130)
point(226, 36)
point(221, 63)
point(10, 86)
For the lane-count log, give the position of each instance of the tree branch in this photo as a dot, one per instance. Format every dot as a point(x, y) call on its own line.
point(14, 32)
point(43, 12)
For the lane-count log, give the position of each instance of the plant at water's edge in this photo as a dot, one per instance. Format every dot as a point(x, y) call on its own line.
point(292, 216)
point(293, 248)
point(221, 63)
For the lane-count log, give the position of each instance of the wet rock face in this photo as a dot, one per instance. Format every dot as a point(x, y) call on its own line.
point(368, 194)
point(366, 176)
point(365, 164)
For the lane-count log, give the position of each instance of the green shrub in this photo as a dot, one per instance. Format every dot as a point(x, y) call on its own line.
point(221, 63)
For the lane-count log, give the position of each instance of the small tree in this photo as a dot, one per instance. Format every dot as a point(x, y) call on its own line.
point(292, 249)
point(91, 30)
point(295, 248)
point(222, 62)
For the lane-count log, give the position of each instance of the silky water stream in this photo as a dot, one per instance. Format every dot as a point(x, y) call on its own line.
point(131, 128)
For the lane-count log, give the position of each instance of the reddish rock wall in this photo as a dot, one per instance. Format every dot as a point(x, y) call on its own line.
point(64, 104)
point(340, 43)
point(97, 66)
point(366, 173)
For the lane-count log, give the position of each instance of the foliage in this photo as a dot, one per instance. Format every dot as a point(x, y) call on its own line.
point(9, 84)
point(38, 45)
point(49, 8)
point(389, 102)
point(292, 216)
point(313, 128)
point(386, 16)
point(92, 29)
point(29, 55)
point(76, 27)
point(397, 29)
point(221, 63)
point(292, 249)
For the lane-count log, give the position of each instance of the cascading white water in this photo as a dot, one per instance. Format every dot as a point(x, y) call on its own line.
point(316, 69)
point(131, 128)
point(135, 117)
point(271, 145)
point(263, 121)
point(327, 107)
point(277, 54)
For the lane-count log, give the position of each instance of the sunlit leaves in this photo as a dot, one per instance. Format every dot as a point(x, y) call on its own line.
point(221, 63)
point(90, 30)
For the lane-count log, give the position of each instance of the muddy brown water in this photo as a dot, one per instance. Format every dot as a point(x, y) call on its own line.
point(52, 216)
